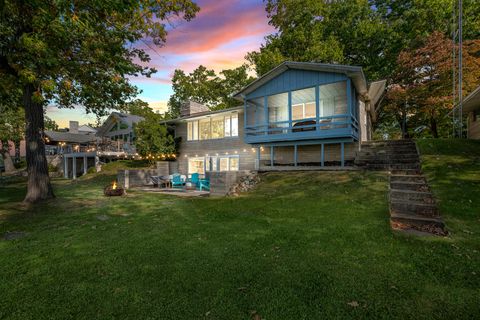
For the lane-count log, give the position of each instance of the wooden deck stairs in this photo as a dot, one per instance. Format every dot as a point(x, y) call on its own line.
point(412, 205)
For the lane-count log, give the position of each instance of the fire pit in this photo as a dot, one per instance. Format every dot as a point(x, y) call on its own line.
point(113, 190)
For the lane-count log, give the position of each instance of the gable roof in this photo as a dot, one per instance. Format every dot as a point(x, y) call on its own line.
point(472, 101)
point(86, 129)
point(353, 72)
point(128, 119)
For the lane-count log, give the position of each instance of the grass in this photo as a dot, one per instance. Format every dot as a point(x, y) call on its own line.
point(301, 246)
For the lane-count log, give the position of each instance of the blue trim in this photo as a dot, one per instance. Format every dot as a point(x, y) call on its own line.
point(265, 111)
point(308, 142)
point(289, 109)
point(349, 96)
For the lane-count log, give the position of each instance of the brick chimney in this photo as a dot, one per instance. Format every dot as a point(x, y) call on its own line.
point(73, 127)
point(191, 107)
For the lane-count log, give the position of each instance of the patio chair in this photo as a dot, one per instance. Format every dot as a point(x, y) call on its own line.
point(195, 179)
point(177, 181)
point(204, 184)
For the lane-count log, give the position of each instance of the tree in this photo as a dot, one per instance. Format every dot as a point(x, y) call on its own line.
point(206, 87)
point(422, 84)
point(12, 126)
point(75, 53)
point(154, 139)
point(50, 124)
point(368, 33)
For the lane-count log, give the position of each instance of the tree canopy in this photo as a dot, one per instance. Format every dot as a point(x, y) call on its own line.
point(368, 33)
point(206, 87)
point(75, 53)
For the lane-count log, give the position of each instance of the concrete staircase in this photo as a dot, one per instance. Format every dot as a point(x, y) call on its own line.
point(412, 205)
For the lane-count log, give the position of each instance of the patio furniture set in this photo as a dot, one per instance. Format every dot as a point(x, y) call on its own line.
point(176, 180)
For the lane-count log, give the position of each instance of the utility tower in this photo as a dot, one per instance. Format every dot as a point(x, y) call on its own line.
point(457, 67)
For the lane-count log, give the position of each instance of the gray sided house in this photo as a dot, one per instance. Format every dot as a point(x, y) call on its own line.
point(298, 114)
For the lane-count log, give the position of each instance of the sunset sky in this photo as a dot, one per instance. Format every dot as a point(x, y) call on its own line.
point(219, 37)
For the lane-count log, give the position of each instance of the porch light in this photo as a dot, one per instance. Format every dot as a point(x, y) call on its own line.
point(185, 156)
point(236, 152)
point(226, 152)
point(244, 150)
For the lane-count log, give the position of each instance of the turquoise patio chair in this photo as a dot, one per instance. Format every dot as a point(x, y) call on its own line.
point(195, 179)
point(204, 184)
point(177, 181)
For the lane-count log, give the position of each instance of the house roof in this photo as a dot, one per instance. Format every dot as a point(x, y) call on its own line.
point(472, 101)
point(69, 137)
point(203, 114)
point(87, 128)
point(353, 72)
point(126, 118)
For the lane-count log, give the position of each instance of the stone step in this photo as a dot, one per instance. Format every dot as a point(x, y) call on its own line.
point(387, 142)
point(413, 208)
point(412, 186)
point(407, 178)
point(404, 221)
point(387, 155)
point(362, 160)
point(382, 166)
point(405, 172)
point(409, 195)
point(389, 149)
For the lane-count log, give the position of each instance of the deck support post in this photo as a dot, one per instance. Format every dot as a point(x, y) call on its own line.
point(74, 167)
point(85, 163)
point(258, 156)
point(65, 167)
point(342, 156)
point(272, 155)
point(322, 155)
point(295, 155)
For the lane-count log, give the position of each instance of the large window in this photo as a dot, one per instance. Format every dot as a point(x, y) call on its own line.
point(333, 99)
point(196, 165)
point(303, 104)
point(213, 127)
point(277, 112)
point(223, 163)
point(205, 129)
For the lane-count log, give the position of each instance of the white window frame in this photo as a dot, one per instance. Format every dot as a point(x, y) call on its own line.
point(193, 128)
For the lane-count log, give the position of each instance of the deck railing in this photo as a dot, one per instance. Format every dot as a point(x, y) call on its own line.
point(326, 126)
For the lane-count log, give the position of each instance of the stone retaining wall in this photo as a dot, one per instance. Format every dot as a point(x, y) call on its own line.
point(221, 182)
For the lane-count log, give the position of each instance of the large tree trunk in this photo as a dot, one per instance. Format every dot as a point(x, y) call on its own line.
point(39, 187)
point(7, 159)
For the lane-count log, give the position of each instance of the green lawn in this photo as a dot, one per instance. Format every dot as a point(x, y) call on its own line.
point(301, 246)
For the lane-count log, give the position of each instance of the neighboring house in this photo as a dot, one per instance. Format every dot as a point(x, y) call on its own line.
point(83, 147)
point(76, 139)
point(297, 114)
point(119, 127)
point(471, 108)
